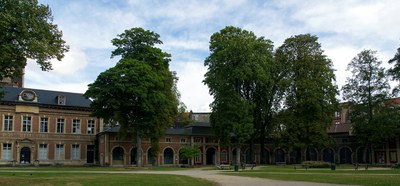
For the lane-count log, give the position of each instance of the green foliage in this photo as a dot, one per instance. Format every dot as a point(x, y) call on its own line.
point(27, 32)
point(138, 92)
point(373, 116)
point(394, 71)
point(310, 96)
point(189, 152)
point(236, 72)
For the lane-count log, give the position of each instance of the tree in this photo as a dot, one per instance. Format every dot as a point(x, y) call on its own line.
point(190, 152)
point(27, 32)
point(394, 71)
point(310, 97)
point(373, 117)
point(138, 92)
point(235, 70)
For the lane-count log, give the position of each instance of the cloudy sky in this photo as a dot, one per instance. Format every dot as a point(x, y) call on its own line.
point(344, 29)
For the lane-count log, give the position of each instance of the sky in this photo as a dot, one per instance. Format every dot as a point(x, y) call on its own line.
point(344, 29)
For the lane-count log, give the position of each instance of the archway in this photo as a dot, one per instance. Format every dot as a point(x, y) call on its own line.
point(265, 158)
point(311, 154)
point(345, 156)
point(248, 158)
point(25, 156)
point(363, 155)
point(328, 155)
point(150, 157)
point(210, 156)
point(279, 155)
point(133, 156)
point(295, 156)
point(118, 156)
point(168, 156)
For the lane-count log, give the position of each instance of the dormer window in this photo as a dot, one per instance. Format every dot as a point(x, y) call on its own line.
point(61, 100)
point(27, 95)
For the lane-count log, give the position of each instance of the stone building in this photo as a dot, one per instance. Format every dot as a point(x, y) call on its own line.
point(46, 127)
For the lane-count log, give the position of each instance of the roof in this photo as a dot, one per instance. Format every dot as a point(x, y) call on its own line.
point(45, 97)
point(340, 128)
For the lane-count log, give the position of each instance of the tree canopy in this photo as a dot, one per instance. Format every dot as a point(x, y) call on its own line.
point(310, 96)
point(27, 32)
point(367, 91)
point(139, 92)
point(394, 72)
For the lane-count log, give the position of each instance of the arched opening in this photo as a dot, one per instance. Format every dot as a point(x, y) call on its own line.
point(345, 156)
point(328, 155)
point(279, 155)
point(210, 156)
point(363, 155)
point(295, 156)
point(168, 156)
point(181, 159)
point(311, 154)
point(234, 156)
point(265, 157)
point(133, 156)
point(25, 156)
point(150, 157)
point(248, 158)
point(118, 156)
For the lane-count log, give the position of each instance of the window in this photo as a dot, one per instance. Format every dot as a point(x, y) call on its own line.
point(6, 152)
point(337, 122)
point(44, 124)
point(197, 159)
point(43, 152)
point(197, 140)
point(90, 129)
point(75, 152)
point(26, 123)
point(337, 114)
point(76, 126)
point(168, 140)
point(60, 125)
point(224, 157)
point(59, 152)
point(183, 140)
point(8, 123)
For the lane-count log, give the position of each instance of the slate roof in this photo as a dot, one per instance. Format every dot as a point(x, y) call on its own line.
point(45, 97)
point(340, 128)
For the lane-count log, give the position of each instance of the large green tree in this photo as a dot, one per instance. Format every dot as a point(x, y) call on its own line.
point(373, 117)
point(27, 32)
point(310, 97)
point(236, 70)
point(394, 71)
point(139, 92)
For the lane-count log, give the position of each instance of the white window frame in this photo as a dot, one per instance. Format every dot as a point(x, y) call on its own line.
point(44, 125)
point(60, 121)
point(6, 153)
point(75, 150)
point(43, 151)
point(183, 140)
point(26, 123)
point(8, 123)
point(90, 126)
point(76, 126)
point(168, 140)
point(59, 152)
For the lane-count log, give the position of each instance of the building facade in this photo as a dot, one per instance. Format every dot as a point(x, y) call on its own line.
point(46, 127)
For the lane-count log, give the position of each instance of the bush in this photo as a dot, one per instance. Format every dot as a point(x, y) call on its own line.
point(316, 164)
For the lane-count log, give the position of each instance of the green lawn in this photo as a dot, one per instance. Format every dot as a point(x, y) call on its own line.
point(342, 175)
point(93, 176)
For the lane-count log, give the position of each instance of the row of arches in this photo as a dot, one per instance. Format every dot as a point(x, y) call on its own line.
point(345, 156)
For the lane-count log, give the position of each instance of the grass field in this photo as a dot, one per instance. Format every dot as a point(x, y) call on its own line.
point(342, 175)
point(92, 176)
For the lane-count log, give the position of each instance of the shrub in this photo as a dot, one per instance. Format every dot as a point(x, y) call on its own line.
point(316, 164)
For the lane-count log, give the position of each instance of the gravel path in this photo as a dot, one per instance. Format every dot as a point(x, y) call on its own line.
point(227, 180)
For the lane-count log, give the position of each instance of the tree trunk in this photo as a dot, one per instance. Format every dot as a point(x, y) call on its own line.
point(238, 156)
point(138, 150)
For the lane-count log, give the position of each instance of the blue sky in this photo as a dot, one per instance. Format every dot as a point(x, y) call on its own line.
point(344, 28)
